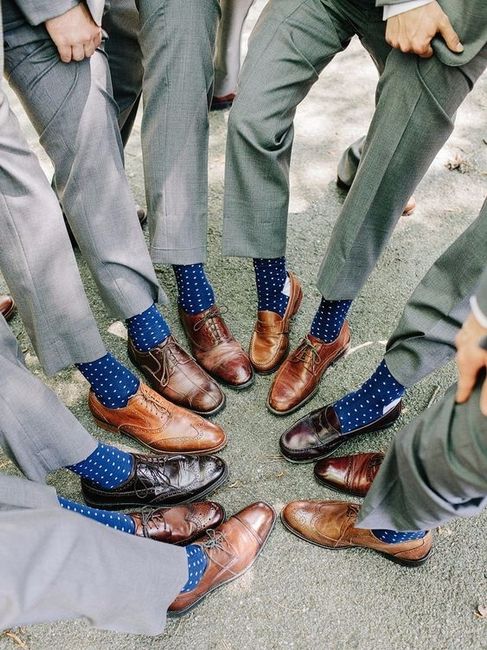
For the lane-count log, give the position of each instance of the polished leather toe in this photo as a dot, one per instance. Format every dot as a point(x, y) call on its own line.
point(351, 474)
point(7, 307)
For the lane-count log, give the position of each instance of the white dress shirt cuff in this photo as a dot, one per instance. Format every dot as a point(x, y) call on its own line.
point(394, 10)
point(477, 312)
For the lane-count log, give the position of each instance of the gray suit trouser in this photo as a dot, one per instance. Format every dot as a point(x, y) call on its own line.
point(74, 113)
point(435, 470)
point(55, 564)
point(174, 40)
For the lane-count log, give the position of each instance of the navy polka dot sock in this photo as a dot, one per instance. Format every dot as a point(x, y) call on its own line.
point(195, 293)
point(197, 562)
point(111, 382)
point(394, 537)
point(374, 398)
point(272, 284)
point(329, 319)
point(148, 329)
point(107, 466)
point(116, 520)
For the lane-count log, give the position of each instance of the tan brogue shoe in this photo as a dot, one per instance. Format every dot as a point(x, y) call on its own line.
point(231, 550)
point(215, 348)
point(178, 525)
point(159, 424)
point(175, 375)
point(299, 377)
point(331, 524)
point(351, 474)
point(270, 339)
point(7, 307)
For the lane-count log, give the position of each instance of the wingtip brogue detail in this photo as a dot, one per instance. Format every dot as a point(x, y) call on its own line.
point(269, 343)
point(352, 474)
point(158, 424)
point(331, 524)
point(298, 379)
point(318, 434)
point(231, 549)
point(216, 349)
point(175, 375)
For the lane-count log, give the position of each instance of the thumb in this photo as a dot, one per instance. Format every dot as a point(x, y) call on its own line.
point(450, 36)
point(483, 399)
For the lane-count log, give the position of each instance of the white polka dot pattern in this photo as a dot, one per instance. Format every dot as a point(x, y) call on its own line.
point(270, 279)
point(148, 329)
point(116, 520)
point(111, 382)
point(195, 293)
point(107, 466)
point(395, 537)
point(197, 562)
point(329, 319)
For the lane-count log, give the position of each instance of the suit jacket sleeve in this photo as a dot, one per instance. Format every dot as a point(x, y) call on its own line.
point(38, 11)
point(481, 294)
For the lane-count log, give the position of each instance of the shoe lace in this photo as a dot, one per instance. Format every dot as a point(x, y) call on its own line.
point(149, 515)
point(153, 405)
point(216, 540)
point(211, 317)
point(308, 354)
point(371, 467)
point(156, 476)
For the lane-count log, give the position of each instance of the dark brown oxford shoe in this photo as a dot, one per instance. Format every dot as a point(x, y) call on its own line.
point(231, 550)
point(318, 434)
point(351, 474)
point(180, 524)
point(215, 348)
point(175, 375)
point(270, 339)
point(331, 524)
point(298, 379)
point(7, 306)
point(160, 481)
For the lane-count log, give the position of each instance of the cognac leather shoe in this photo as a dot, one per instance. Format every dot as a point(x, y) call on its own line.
point(409, 208)
point(160, 481)
point(159, 424)
point(222, 102)
point(318, 434)
point(331, 524)
point(231, 550)
point(299, 377)
point(7, 307)
point(178, 525)
point(216, 350)
point(270, 339)
point(351, 474)
point(176, 376)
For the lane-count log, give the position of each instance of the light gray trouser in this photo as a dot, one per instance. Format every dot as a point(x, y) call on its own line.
point(72, 109)
point(176, 42)
point(58, 565)
point(436, 470)
point(292, 43)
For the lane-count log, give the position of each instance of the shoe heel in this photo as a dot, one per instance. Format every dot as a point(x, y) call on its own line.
point(298, 302)
point(105, 426)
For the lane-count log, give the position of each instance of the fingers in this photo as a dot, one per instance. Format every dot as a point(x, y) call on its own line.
point(98, 38)
point(466, 382)
point(450, 36)
point(89, 49)
point(78, 52)
point(64, 53)
point(426, 52)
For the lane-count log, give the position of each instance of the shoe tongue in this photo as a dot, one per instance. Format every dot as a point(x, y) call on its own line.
point(332, 419)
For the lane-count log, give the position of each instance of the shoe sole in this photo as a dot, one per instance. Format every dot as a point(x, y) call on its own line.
point(279, 363)
point(309, 397)
point(110, 505)
point(201, 452)
point(396, 560)
point(221, 381)
point(338, 489)
point(225, 582)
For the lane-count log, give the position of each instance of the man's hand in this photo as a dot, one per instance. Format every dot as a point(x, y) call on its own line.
point(413, 31)
point(471, 360)
point(74, 33)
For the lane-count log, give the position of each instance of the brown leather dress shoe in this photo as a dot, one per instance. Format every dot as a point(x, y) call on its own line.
point(351, 474)
point(331, 524)
point(299, 376)
point(159, 424)
point(7, 307)
point(231, 550)
point(176, 376)
point(216, 350)
point(178, 525)
point(270, 339)
point(318, 434)
point(222, 102)
point(157, 481)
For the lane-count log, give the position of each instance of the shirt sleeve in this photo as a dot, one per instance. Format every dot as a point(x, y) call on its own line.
point(400, 8)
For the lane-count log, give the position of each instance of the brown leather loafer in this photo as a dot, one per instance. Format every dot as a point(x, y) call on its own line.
point(299, 376)
point(7, 307)
point(222, 102)
point(178, 525)
point(216, 350)
point(270, 339)
point(351, 474)
point(318, 434)
point(163, 480)
point(176, 376)
point(231, 550)
point(159, 424)
point(409, 208)
point(331, 524)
